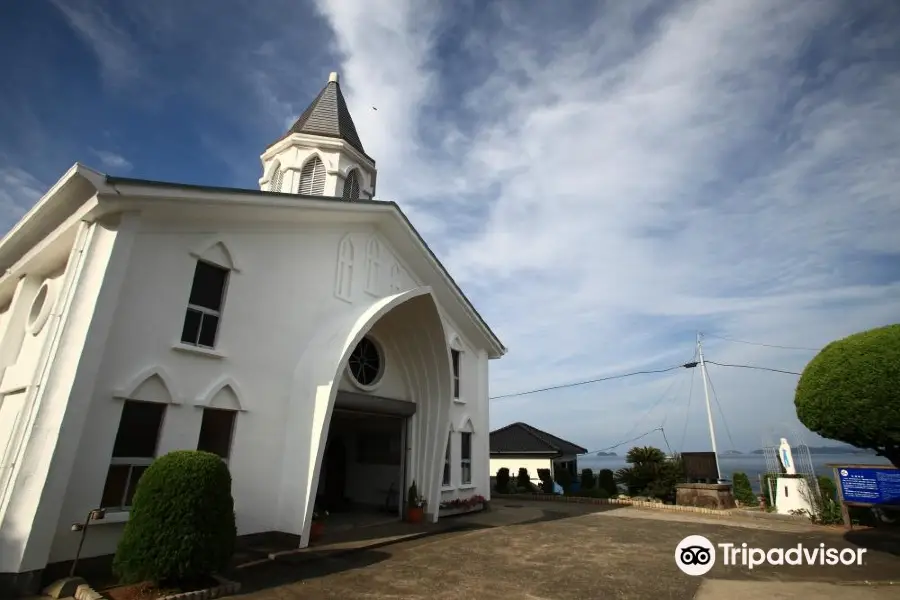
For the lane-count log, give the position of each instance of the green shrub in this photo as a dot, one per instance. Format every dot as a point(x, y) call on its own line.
point(850, 392)
point(587, 479)
point(503, 480)
point(743, 491)
point(523, 480)
point(182, 524)
point(606, 481)
point(827, 488)
point(546, 481)
point(769, 485)
point(651, 473)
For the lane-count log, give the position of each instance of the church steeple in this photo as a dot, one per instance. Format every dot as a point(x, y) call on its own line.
point(321, 154)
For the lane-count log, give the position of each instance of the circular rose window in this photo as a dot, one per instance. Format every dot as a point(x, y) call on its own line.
point(366, 363)
point(40, 307)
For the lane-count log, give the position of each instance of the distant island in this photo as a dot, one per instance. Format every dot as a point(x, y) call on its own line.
point(606, 454)
point(829, 450)
point(732, 453)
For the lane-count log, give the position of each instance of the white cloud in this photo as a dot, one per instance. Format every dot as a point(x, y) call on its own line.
point(114, 161)
point(635, 188)
point(602, 185)
point(19, 190)
point(111, 44)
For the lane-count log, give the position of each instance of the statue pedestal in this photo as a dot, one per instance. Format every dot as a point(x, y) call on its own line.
point(705, 495)
point(792, 494)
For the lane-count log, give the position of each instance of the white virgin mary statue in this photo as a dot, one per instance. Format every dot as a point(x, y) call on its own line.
point(787, 459)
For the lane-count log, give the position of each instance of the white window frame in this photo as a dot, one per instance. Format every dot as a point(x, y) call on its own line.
point(234, 418)
point(207, 311)
point(456, 367)
point(133, 461)
point(463, 462)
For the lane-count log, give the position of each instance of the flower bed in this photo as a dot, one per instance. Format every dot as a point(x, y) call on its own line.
point(462, 505)
point(205, 588)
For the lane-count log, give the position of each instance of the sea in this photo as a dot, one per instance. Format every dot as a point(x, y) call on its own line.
point(754, 465)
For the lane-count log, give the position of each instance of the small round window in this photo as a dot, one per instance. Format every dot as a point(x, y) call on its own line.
point(40, 309)
point(366, 363)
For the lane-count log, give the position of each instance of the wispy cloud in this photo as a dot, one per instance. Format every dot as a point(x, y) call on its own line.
point(19, 190)
point(114, 161)
point(604, 179)
point(712, 167)
point(113, 47)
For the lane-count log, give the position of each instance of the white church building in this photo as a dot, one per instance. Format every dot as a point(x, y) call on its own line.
point(304, 332)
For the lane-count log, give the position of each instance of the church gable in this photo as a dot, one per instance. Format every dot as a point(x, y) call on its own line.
point(366, 264)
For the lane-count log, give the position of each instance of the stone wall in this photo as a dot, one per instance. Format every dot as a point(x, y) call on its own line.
point(705, 495)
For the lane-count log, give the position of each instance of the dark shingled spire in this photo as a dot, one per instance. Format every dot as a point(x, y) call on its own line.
point(328, 116)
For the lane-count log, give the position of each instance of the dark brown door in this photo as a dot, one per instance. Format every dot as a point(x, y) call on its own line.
point(336, 474)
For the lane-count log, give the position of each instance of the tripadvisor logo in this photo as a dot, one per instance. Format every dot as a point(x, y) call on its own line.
point(695, 555)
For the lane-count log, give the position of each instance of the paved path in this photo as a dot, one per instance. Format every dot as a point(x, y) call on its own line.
point(538, 550)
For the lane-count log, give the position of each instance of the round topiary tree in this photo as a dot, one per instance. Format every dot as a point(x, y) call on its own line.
point(850, 392)
point(182, 525)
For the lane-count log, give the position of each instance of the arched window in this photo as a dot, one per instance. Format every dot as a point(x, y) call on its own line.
point(465, 452)
point(396, 279)
point(312, 178)
point(351, 186)
point(373, 266)
point(277, 179)
point(344, 282)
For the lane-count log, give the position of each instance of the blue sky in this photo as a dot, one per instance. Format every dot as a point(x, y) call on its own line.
point(603, 178)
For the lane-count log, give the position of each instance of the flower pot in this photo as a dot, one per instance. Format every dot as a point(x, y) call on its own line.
point(415, 514)
point(316, 531)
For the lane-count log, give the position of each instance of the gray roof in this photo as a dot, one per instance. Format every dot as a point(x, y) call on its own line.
point(521, 437)
point(329, 116)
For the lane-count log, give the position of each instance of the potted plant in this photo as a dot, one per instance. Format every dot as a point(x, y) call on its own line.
point(317, 528)
point(415, 505)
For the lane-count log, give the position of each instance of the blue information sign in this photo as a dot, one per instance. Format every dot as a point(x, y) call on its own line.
point(880, 485)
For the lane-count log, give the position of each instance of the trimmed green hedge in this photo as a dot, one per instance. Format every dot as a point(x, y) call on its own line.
point(850, 391)
point(182, 524)
point(606, 481)
point(503, 480)
point(587, 479)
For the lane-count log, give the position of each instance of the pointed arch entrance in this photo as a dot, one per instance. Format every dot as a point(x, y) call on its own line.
point(410, 324)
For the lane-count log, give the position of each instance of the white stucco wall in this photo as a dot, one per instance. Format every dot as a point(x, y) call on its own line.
point(282, 291)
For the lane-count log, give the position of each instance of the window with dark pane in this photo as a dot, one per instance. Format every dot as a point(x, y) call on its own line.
point(216, 431)
point(365, 362)
point(351, 186)
point(455, 355)
point(116, 484)
point(133, 450)
point(466, 457)
point(201, 320)
point(446, 480)
point(138, 429)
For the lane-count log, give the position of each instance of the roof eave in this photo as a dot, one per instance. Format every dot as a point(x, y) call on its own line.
point(150, 188)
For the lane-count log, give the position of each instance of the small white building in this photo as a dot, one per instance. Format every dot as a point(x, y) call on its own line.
point(519, 445)
point(304, 332)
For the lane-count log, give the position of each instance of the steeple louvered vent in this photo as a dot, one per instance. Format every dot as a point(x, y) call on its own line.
point(312, 178)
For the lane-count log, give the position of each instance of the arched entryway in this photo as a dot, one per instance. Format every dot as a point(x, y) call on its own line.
point(409, 324)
